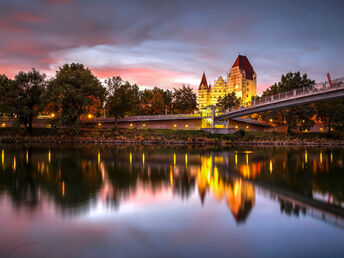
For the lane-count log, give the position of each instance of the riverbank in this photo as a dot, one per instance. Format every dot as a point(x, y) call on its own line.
point(168, 137)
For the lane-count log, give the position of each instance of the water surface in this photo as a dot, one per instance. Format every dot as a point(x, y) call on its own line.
point(119, 201)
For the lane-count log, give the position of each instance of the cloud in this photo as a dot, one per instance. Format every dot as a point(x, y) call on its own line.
point(172, 41)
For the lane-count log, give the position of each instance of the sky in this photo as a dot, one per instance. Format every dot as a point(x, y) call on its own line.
point(169, 43)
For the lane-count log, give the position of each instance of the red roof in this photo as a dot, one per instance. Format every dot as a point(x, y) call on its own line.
point(244, 65)
point(203, 82)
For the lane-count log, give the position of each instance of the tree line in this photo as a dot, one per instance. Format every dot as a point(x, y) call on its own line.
point(74, 93)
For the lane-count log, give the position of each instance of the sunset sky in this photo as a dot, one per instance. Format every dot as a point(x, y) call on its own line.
point(168, 43)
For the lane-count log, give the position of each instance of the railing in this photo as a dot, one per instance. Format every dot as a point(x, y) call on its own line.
point(305, 91)
point(158, 117)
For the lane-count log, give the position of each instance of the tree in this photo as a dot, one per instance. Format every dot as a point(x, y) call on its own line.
point(122, 99)
point(228, 101)
point(73, 93)
point(154, 101)
point(7, 96)
point(331, 114)
point(184, 100)
point(300, 117)
point(22, 96)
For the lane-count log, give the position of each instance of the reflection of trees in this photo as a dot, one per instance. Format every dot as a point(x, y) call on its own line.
point(66, 180)
point(303, 171)
point(290, 209)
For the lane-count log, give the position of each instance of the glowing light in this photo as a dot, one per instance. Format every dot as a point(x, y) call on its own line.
point(247, 126)
point(99, 124)
point(3, 157)
point(3, 125)
point(174, 159)
point(14, 164)
point(143, 158)
point(236, 159)
point(270, 167)
point(246, 159)
point(306, 157)
point(186, 159)
point(321, 157)
point(236, 127)
point(331, 157)
point(27, 156)
point(171, 176)
point(186, 126)
point(131, 125)
point(174, 125)
point(52, 115)
point(63, 188)
point(49, 156)
point(89, 116)
point(98, 157)
point(271, 120)
point(144, 125)
point(131, 158)
point(321, 129)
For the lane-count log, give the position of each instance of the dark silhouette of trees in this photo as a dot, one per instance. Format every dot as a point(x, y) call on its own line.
point(300, 117)
point(228, 101)
point(22, 97)
point(74, 93)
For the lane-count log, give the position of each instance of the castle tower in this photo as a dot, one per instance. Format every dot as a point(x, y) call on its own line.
point(203, 93)
point(220, 89)
point(242, 79)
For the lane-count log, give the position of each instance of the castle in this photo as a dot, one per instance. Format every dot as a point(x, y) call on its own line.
point(241, 79)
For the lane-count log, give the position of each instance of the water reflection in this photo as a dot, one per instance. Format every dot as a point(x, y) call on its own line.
point(75, 178)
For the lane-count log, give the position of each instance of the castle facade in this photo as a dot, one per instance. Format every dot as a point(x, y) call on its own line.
point(241, 79)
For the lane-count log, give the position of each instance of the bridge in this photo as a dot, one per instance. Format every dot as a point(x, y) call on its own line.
point(320, 92)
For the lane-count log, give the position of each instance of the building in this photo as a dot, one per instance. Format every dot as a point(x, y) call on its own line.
point(241, 79)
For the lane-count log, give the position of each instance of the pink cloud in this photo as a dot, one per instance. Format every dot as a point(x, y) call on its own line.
point(142, 75)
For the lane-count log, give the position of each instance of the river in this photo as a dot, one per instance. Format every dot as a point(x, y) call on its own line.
point(154, 201)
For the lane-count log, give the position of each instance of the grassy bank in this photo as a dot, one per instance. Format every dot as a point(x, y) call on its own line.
point(149, 136)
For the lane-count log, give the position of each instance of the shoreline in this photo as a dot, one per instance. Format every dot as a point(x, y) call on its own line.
point(173, 142)
point(169, 137)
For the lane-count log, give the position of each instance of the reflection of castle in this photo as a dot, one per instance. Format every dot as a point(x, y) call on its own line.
point(240, 195)
point(241, 79)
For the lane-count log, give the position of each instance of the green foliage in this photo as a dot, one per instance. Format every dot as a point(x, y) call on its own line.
point(300, 117)
point(122, 99)
point(155, 101)
point(228, 101)
point(73, 93)
point(331, 114)
point(22, 96)
point(184, 100)
point(7, 96)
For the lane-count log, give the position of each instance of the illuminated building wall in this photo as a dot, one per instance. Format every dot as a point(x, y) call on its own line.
point(241, 79)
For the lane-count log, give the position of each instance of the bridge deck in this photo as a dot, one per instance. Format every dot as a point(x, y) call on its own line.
point(318, 93)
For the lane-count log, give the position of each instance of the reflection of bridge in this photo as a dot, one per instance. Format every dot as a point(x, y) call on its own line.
point(320, 92)
point(325, 212)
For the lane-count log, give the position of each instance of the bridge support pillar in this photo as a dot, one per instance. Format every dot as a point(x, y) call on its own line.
point(213, 118)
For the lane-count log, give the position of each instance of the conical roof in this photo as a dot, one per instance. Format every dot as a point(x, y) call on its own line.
point(245, 65)
point(203, 85)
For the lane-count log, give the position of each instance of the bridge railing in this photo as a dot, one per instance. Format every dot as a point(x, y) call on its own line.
point(319, 87)
point(158, 117)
